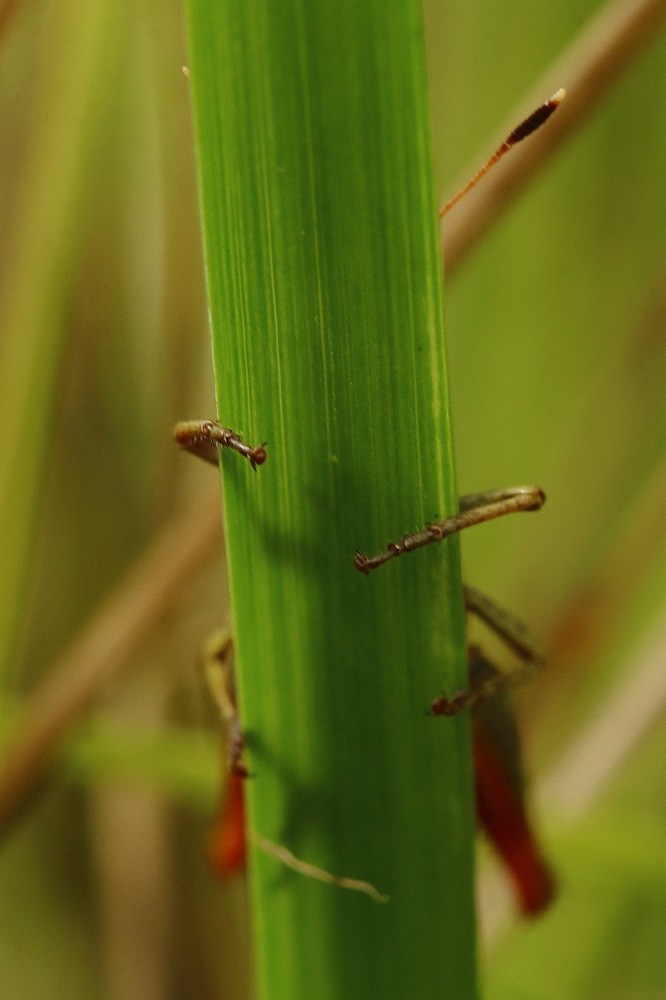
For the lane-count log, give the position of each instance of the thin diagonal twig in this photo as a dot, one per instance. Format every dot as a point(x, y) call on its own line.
point(595, 59)
point(100, 651)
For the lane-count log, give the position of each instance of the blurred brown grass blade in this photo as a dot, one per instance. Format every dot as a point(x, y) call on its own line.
point(615, 548)
point(7, 13)
point(596, 58)
point(99, 652)
point(627, 715)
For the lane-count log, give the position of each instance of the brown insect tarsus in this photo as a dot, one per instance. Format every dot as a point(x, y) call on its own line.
point(474, 509)
point(204, 437)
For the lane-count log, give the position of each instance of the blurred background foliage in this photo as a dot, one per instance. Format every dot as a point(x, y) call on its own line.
point(557, 332)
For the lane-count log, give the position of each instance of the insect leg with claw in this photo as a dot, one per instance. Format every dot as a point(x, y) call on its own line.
point(513, 634)
point(227, 847)
point(475, 508)
point(498, 776)
point(205, 437)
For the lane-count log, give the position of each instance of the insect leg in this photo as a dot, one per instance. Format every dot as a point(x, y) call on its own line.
point(513, 632)
point(475, 508)
point(220, 678)
point(486, 684)
point(204, 437)
point(227, 847)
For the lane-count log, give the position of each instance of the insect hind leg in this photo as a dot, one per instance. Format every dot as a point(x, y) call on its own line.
point(219, 672)
point(475, 508)
point(515, 635)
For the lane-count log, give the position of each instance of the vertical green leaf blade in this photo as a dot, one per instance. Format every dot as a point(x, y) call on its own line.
point(323, 277)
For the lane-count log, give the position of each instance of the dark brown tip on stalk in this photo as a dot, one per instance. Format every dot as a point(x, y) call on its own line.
point(536, 119)
point(526, 127)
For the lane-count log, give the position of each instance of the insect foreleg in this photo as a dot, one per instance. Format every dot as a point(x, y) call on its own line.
point(204, 438)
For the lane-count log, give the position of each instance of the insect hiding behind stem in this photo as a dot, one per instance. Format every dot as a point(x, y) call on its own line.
point(498, 773)
point(499, 783)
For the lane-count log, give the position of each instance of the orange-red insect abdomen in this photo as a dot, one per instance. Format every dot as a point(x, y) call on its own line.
point(227, 851)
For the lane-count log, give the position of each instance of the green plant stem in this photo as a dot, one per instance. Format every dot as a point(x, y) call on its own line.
point(324, 288)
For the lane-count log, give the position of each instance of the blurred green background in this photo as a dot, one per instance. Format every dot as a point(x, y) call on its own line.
point(557, 333)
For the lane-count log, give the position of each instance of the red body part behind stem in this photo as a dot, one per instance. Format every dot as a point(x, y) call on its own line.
point(499, 802)
point(227, 851)
point(500, 791)
point(504, 821)
point(501, 816)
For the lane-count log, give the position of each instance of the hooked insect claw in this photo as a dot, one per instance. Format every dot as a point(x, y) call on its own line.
point(257, 455)
point(539, 500)
point(440, 706)
point(204, 438)
point(450, 706)
point(361, 562)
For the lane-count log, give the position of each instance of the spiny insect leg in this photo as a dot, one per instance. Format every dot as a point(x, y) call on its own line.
point(220, 677)
point(204, 437)
point(486, 684)
point(475, 508)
